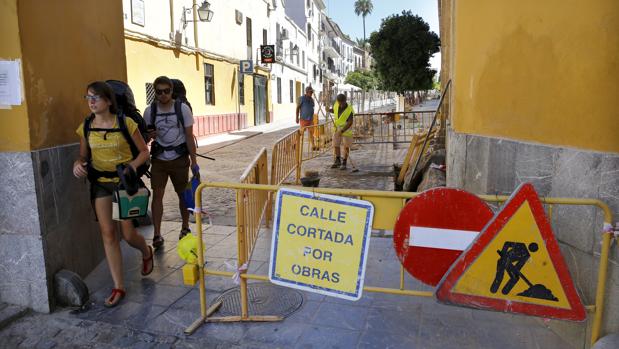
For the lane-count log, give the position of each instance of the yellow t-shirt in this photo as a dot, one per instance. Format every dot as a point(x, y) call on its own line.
point(109, 150)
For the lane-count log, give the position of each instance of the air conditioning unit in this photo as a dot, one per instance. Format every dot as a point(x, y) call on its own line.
point(284, 34)
point(238, 16)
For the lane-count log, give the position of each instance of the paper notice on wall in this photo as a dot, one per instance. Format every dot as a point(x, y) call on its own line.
point(10, 83)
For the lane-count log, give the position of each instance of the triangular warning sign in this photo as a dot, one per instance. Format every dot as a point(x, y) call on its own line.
point(514, 265)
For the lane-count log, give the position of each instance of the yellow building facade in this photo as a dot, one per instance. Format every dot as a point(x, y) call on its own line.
point(146, 60)
point(45, 211)
point(534, 99)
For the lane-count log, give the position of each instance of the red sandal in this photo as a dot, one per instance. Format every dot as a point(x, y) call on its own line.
point(147, 263)
point(116, 296)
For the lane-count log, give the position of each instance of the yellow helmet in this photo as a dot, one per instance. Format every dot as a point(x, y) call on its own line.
point(188, 248)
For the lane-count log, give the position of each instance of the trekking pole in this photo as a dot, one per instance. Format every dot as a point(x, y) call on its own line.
point(204, 156)
point(195, 139)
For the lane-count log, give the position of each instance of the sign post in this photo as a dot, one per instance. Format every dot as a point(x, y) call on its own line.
point(320, 243)
point(434, 228)
point(515, 265)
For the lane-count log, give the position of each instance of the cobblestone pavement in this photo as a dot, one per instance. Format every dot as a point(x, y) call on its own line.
point(159, 307)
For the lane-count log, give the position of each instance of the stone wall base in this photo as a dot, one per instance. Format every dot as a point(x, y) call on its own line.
point(485, 165)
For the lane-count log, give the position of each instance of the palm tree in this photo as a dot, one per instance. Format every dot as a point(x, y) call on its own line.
point(363, 8)
point(361, 42)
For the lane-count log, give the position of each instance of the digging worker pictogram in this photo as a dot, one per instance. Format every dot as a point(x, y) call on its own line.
point(513, 257)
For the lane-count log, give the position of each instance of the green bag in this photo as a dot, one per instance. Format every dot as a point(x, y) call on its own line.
point(130, 196)
point(125, 206)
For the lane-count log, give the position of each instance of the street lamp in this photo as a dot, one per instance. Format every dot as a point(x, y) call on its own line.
point(204, 13)
point(294, 51)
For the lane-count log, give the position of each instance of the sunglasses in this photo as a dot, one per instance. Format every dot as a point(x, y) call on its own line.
point(93, 98)
point(164, 91)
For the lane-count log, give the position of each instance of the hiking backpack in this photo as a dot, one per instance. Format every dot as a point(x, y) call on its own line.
point(126, 105)
point(126, 108)
point(179, 94)
point(94, 174)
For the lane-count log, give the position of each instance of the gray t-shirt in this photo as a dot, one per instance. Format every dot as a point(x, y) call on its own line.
point(169, 132)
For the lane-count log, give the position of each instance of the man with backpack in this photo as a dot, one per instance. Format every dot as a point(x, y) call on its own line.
point(173, 151)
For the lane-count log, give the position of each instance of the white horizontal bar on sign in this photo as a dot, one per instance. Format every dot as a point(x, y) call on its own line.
point(446, 239)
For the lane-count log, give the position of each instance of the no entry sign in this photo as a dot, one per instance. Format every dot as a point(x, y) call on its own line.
point(434, 228)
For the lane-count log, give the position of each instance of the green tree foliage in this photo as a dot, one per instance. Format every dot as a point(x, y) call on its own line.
point(366, 80)
point(402, 49)
point(363, 8)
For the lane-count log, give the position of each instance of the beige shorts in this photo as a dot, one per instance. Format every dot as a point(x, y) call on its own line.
point(339, 140)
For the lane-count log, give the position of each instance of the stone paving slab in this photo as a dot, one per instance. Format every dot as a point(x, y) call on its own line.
point(159, 307)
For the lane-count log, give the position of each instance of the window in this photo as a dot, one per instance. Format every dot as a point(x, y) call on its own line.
point(249, 41)
point(309, 32)
point(209, 84)
point(291, 91)
point(279, 90)
point(150, 93)
point(279, 43)
point(264, 37)
point(303, 59)
point(242, 90)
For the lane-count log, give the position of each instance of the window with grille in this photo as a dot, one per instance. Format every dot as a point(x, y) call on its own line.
point(209, 84)
point(291, 91)
point(150, 93)
point(249, 38)
point(242, 90)
point(279, 90)
point(309, 32)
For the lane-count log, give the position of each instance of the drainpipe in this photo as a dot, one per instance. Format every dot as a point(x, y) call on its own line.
point(195, 33)
point(172, 17)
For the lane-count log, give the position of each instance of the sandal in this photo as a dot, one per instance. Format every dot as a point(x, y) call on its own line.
point(116, 296)
point(184, 231)
point(147, 263)
point(158, 241)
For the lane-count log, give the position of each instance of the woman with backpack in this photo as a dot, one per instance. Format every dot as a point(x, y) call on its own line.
point(102, 149)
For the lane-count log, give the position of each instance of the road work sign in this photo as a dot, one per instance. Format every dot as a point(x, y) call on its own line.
point(434, 228)
point(320, 243)
point(515, 265)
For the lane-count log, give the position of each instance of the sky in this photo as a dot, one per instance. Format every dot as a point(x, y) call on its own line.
point(343, 12)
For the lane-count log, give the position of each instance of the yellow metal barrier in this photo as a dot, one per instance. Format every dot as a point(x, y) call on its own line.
point(393, 127)
point(284, 157)
point(384, 203)
point(316, 139)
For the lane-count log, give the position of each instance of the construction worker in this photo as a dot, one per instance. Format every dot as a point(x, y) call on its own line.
point(305, 114)
point(342, 118)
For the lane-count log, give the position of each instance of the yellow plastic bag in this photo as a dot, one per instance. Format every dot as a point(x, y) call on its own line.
point(188, 249)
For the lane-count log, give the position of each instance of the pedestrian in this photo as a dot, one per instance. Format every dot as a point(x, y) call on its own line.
point(104, 146)
point(343, 117)
point(173, 152)
point(305, 114)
